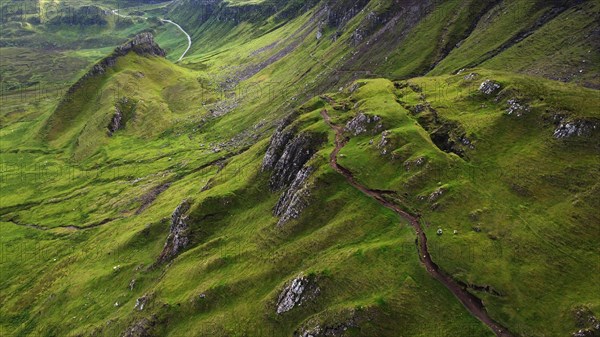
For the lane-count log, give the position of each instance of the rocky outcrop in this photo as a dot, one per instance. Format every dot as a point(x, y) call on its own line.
point(286, 159)
point(489, 87)
point(279, 140)
point(178, 237)
point(383, 142)
point(141, 302)
point(364, 123)
point(294, 199)
point(588, 323)
point(115, 122)
point(298, 291)
point(517, 108)
point(287, 154)
point(578, 127)
point(327, 331)
point(142, 44)
point(140, 328)
point(590, 332)
point(450, 136)
point(333, 325)
point(435, 195)
point(471, 76)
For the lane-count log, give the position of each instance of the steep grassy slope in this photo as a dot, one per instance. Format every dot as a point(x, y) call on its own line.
point(92, 244)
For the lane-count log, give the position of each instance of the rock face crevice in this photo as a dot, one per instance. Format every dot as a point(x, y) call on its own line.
point(179, 233)
point(296, 292)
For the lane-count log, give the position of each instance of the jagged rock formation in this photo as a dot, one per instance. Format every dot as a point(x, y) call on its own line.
point(296, 292)
point(286, 158)
point(287, 154)
point(294, 200)
point(280, 138)
point(178, 237)
point(364, 123)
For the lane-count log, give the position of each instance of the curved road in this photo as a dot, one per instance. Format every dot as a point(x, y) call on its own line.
point(469, 301)
point(189, 38)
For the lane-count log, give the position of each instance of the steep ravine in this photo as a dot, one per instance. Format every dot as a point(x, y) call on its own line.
point(469, 301)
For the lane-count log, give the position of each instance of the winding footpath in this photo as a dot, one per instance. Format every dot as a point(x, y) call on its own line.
point(469, 301)
point(189, 38)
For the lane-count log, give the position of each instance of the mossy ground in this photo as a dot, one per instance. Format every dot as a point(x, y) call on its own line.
point(71, 195)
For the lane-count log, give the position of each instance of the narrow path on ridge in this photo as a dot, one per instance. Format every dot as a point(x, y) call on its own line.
point(472, 303)
point(189, 38)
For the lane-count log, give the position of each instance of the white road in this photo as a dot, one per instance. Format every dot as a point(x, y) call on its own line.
point(189, 38)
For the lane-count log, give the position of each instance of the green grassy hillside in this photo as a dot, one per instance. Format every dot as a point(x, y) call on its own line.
point(197, 198)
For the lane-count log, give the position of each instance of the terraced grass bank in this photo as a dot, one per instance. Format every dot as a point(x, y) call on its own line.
point(239, 190)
